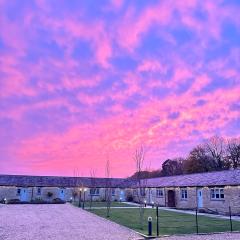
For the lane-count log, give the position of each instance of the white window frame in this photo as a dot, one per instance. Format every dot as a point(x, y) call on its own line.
point(217, 194)
point(95, 191)
point(159, 192)
point(113, 191)
point(143, 191)
point(19, 190)
point(39, 191)
point(184, 193)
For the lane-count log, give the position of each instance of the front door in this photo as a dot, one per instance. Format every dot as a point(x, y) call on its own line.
point(199, 198)
point(122, 196)
point(23, 195)
point(150, 200)
point(62, 194)
point(171, 198)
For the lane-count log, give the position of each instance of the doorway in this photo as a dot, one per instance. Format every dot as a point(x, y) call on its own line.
point(122, 196)
point(199, 198)
point(23, 194)
point(62, 194)
point(171, 198)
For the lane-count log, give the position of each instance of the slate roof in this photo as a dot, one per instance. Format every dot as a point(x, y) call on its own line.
point(52, 181)
point(220, 178)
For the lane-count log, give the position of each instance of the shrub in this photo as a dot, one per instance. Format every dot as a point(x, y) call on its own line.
point(13, 201)
point(129, 198)
point(38, 201)
point(58, 200)
point(49, 194)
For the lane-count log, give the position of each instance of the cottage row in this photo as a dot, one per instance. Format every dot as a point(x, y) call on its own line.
point(211, 192)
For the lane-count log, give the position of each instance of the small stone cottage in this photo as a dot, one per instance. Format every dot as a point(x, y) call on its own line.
point(211, 192)
point(14, 188)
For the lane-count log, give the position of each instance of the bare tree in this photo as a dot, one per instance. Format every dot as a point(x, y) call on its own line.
point(139, 158)
point(75, 182)
point(215, 147)
point(108, 187)
point(93, 185)
point(233, 152)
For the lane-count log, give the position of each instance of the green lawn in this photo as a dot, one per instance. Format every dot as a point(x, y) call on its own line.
point(103, 204)
point(169, 222)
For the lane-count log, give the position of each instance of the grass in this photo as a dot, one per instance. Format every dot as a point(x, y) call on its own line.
point(104, 204)
point(169, 222)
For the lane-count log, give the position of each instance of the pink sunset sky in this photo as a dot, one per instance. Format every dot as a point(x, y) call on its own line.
point(83, 81)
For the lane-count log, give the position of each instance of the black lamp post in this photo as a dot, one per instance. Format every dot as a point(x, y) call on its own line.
point(84, 191)
point(80, 196)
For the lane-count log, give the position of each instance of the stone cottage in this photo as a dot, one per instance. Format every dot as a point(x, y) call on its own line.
point(50, 188)
point(210, 192)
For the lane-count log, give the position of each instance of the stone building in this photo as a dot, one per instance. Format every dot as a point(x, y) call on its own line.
point(210, 192)
point(14, 188)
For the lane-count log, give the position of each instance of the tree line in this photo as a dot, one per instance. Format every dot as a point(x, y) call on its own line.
point(215, 154)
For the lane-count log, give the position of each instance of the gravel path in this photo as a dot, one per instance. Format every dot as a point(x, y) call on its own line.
point(224, 236)
point(57, 222)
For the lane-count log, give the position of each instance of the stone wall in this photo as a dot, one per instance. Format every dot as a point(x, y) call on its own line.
point(231, 198)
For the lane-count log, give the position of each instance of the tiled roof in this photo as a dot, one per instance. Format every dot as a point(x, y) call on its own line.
point(52, 181)
point(220, 178)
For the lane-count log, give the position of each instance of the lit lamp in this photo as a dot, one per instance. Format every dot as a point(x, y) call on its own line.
point(145, 203)
point(152, 204)
point(5, 200)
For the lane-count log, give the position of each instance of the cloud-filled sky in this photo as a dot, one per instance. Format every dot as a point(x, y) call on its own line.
point(85, 81)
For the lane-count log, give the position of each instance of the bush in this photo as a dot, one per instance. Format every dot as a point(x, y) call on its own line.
point(58, 200)
point(49, 194)
point(14, 201)
point(129, 198)
point(38, 201)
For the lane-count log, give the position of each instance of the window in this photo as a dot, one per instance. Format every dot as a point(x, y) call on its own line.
point(18, 191)
point(184, 194)
point(142, 191)
point(159, 192)
point(217, 193)
point(94, 191)
point(113, 192)
point(39, 190)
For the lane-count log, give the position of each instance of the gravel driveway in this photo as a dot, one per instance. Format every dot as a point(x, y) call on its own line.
point(57, 222)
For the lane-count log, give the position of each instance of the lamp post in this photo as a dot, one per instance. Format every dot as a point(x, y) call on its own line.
point(80, 196)
point(84, 191)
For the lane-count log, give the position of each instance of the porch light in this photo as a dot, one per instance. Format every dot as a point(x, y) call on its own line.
point(85, 189)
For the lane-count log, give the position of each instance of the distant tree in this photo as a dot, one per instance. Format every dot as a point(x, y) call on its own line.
point(215, 147)
point(233, 152)
point(199, 161)
point(172, 167)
